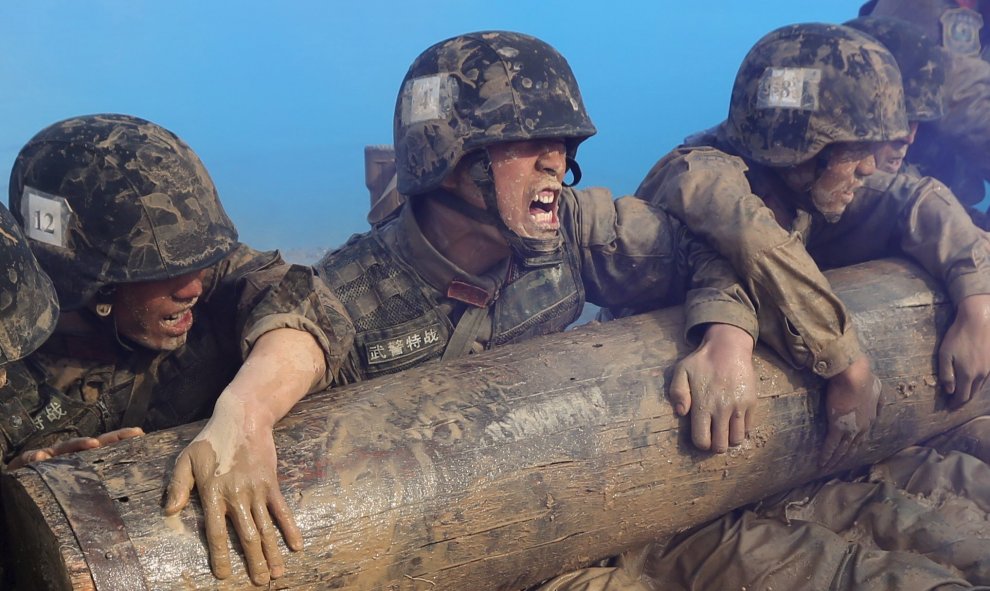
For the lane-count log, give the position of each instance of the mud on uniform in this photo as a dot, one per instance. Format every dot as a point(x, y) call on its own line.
point(724, 199)
point(84, 381)
point(407, 301)
point(956, 148)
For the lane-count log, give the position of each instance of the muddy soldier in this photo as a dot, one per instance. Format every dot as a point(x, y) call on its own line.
point(923, 65)
point(161, 306)
point(956, 148)
point(772, 188)
point(877, 528)
point(492, 247)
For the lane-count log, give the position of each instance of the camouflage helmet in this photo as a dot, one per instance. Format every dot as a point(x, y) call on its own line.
point(478, 89)
point(921, 61)
point(28, 308)
point(805, 86)
point(109, 199)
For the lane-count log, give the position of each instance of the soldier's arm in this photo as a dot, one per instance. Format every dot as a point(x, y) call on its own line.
point(800, 316)
point(293, 335)
point(634, 253)
point(232, 461)
point(265, 293)
point(938, 233)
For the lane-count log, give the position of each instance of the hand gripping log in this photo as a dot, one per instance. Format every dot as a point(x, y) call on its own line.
point(499, 470)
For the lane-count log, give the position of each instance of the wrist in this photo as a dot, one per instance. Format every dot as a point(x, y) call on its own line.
point(975, 307)
point(728, 334)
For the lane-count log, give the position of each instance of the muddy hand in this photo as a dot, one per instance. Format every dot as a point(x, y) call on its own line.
point(716, 384)
point(852, 401)
point(236, 480)
point(73, 445)
point(964, 357)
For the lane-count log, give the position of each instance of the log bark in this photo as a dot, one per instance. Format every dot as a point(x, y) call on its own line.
point(500, 470)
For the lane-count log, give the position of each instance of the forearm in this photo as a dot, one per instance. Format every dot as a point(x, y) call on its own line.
point(292, 297)
point(283, 366)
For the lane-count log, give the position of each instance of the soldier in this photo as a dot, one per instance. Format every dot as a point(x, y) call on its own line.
point(770, 187)
point(161, 305)
point(491, 247)
point(834, 534)
point(956, 148)
point(28, 312)
point(923, 65)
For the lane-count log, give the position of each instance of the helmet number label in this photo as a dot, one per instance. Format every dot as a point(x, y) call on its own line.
point(789, 88)
point(45, 217)
point(428, 98)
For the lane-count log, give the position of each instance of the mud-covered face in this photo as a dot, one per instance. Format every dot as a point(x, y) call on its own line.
point(157, 314)
point(528, 179)
point(846, 165)
point(890, 155)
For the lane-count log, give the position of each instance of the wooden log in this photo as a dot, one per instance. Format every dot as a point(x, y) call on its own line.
point(494, 471)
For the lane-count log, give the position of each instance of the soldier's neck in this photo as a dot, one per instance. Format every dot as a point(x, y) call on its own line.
point(469, 244)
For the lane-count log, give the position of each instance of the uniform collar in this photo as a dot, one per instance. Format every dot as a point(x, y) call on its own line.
point(404, 238)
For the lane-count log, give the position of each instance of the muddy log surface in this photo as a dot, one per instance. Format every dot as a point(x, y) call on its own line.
point(495, 471)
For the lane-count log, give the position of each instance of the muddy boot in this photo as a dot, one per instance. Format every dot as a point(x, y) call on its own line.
point(972, 438)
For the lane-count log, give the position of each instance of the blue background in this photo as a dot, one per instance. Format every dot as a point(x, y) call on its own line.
point(280, 98)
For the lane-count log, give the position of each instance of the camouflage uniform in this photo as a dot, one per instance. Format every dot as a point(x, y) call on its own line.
point(136, 204)
point(914, 521)
point(724, 197)
point(410, 304)
point(956, 148)
point(726, 190)
point(406, 299)
point(841, 535)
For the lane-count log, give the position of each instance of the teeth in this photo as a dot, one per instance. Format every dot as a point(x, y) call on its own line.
point(544, 217)
point(544, 198)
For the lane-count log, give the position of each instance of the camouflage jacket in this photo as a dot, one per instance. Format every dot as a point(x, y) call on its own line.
point(85, 380)
point(956, 148)
point(731, 203)
point(407, 300)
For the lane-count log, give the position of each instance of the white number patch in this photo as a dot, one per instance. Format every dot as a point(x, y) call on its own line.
point(428, 98)
point(45, 216)
point(789, 88)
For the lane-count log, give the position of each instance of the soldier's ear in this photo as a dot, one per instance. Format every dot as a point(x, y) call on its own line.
point(102, 303)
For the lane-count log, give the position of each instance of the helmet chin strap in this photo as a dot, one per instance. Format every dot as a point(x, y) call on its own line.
point(531, 252)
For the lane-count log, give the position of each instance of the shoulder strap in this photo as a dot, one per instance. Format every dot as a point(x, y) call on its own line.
point(465, 333)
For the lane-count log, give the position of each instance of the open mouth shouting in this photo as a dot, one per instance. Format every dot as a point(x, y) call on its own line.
point(543, 210)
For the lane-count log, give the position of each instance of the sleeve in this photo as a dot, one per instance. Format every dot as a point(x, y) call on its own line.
point(34, 414)
point(967, 115)
point(267, 293)
point(938, 233)
point(635, 255)
point(799, 315)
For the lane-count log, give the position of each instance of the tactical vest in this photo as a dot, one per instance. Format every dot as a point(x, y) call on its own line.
point(398, 317)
